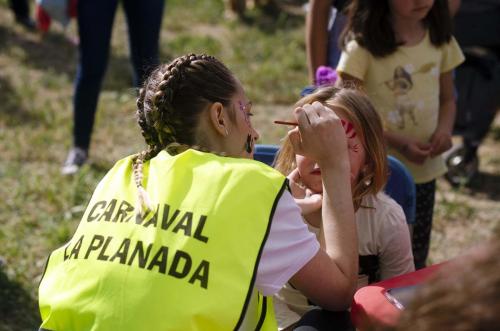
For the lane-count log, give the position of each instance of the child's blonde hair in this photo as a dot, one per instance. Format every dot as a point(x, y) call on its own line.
point(358, 109)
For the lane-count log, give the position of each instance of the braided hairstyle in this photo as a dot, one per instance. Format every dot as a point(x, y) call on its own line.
point(169, 105)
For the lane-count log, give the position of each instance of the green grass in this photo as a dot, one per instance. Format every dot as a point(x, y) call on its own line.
point(39, 208)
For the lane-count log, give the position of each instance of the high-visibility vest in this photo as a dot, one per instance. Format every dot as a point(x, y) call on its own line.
point(189, 263)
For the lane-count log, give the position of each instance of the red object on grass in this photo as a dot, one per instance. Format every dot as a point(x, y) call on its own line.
point(44, 20)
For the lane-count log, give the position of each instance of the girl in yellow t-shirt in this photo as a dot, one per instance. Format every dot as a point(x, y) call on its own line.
point(403, 53)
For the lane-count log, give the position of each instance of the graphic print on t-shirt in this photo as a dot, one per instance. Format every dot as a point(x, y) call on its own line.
point(400, 86)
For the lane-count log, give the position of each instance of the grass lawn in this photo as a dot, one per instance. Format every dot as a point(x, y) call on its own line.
point(39, 208)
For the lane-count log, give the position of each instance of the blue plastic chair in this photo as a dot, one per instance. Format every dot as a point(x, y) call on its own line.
point(400, 185)
point(265, 153)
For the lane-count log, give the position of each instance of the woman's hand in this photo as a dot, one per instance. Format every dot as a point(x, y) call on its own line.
point(320, 136)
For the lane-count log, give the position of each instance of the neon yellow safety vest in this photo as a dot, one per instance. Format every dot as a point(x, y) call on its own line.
point(188, 264)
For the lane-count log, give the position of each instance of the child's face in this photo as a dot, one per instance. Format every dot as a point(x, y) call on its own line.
point(309, 171)
point(411, 9)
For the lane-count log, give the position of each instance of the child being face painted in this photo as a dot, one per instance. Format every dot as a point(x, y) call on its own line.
point(309, 171)
point(380, 223)
point(366, 147)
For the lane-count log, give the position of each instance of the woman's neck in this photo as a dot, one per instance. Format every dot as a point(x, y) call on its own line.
point(408, 32)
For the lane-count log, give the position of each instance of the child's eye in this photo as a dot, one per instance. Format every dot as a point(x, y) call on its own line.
point(250, 114)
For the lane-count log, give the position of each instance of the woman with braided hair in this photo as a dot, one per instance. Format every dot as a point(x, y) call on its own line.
point(191, 234)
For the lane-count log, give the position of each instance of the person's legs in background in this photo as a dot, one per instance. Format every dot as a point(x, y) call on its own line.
point(477, 30)
point(334, 51)
point(144, 24)
point(423, 222)
point(474, 137)
point(95, 25)
point(238, 7)
point(21, 9)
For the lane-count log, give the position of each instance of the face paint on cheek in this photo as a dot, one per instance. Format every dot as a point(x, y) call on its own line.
point(349, 129)
point(351, 134)
point(354, 148)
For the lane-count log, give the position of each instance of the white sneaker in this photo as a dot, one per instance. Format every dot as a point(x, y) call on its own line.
point(76, 158)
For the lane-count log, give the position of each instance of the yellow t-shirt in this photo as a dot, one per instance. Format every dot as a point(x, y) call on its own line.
point(404, 88)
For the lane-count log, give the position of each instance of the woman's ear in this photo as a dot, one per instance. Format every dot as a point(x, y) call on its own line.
point(218, 119)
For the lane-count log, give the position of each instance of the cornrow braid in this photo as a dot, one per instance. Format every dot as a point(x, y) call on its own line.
point(146, 131)
point(169, 104)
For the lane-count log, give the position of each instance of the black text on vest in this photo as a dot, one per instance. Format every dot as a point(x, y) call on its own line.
point(176, 221)
point(174, 263)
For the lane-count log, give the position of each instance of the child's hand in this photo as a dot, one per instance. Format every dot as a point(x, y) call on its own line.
point(298, 190)
point(440, 142)
point(416, 151)
point(310, 203)
point(307, 200)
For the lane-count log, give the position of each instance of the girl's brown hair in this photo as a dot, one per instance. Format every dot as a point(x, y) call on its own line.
point(358, 109)
point(369, 23)
point(171, 101)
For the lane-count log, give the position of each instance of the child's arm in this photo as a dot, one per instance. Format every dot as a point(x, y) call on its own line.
point(310, 203)
point(412, 149)
point(317, 34)
point(441, 138)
